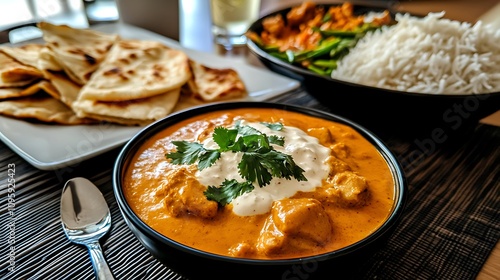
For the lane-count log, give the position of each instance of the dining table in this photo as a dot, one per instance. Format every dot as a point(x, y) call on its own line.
point(449, 229)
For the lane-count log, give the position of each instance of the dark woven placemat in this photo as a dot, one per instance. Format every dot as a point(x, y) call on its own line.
point(452, 218)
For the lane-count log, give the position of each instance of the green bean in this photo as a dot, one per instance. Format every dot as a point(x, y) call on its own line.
point(342, 48)
point(280, 55)
point(271, 48)
point(359, 31)
point(320, 70)
point(324, 48)
point(317, 70)
point(325, 63)
point(339, 33)
point(296, 56)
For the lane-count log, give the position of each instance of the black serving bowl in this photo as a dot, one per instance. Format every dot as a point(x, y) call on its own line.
point(196, 264)
point(379, 109)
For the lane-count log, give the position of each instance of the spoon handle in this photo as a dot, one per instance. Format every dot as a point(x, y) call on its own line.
point(101, 268)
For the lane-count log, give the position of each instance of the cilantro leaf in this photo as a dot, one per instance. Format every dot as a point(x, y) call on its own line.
point(255, 142)
point(228, 190)
point(252, 169)
point(190, 152)
point(276, 140)
point(238, 146)
point(208, 158)
point(261, 167)
point(187, 152)
point(224, 137)
point(247, 130)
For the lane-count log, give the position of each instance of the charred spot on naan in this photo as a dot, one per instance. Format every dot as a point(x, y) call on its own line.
point(117, 72)
point(89, 59)
point(220, 76)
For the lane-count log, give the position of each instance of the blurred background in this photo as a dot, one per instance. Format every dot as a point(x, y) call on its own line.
point(82, 13)
point(77, 13)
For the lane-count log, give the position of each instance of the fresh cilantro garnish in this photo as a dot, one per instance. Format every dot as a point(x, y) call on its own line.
point(190, 152)
point(262, 165)
point(228, 190)
point(260, 162)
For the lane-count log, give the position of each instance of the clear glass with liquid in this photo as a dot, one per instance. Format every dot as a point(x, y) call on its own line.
point(231, 19)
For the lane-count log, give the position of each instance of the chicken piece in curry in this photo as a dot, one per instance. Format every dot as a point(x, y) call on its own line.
point(295, 225)
point(183, 195)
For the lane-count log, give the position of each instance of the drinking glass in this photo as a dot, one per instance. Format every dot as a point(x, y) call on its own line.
point(231, 19)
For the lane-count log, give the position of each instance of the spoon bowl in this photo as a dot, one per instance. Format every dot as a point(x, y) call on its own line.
point(86, 218)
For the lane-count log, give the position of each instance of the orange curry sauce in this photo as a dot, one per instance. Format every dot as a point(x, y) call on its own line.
point(229, 234)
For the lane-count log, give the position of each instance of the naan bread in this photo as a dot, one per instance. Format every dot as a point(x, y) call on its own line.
point(6, 93)
point(91, 76)
point(137, 69)
point(210, 84)
point(78, 51)
point(41, 108)
point(26, 54)
point(15, 74)
point(47, 60)
point(62, 87)
point(11, 92)
point(132, 112)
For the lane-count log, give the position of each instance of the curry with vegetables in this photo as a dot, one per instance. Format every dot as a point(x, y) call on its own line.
point(315, 36)
point(260, 183)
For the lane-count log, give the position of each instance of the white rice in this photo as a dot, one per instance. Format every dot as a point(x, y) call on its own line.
point(427, 55)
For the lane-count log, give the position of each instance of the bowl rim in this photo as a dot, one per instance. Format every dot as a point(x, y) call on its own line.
point(130, 148)
point(305, 74)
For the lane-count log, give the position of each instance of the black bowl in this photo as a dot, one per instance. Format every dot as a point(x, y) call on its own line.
point(382, 110)
point(196, 264)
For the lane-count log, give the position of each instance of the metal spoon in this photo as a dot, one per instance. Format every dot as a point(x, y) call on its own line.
point(85, 219)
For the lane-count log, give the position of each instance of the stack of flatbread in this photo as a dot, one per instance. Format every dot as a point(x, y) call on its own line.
point(24, 90)
point(82, 76)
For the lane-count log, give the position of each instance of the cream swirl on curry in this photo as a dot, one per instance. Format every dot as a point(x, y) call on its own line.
point(304, 149)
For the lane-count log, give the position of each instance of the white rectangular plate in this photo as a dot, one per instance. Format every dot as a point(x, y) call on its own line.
point(50, 147)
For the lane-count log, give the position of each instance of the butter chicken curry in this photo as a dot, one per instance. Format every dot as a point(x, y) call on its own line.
point(260, 183)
